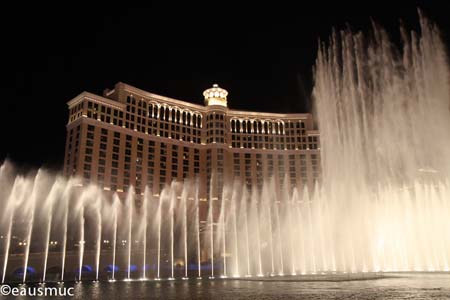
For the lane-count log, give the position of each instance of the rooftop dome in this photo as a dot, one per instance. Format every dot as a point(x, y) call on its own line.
point(215, 96)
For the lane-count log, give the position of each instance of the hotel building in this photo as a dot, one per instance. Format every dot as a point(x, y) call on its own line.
point(130, 137)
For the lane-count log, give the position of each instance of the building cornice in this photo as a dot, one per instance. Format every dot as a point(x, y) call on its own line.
point(259, 115)
point(97, 99)
point(230, 112)
point(138, 92)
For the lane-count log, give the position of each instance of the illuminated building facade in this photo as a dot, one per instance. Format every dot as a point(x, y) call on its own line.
point(130, 137)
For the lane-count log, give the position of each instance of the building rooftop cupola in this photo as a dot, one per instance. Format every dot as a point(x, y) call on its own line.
point(215, 96)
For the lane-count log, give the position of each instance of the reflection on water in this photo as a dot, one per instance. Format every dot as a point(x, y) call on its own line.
point(402, 286)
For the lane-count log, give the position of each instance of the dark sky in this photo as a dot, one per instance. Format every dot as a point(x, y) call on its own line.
point(261, 53)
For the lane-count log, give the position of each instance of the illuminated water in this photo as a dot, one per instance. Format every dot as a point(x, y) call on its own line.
point(421, 286)
point(384, 122)
point(382, 205)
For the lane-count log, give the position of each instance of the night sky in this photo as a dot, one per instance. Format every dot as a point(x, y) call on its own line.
point(262, 54)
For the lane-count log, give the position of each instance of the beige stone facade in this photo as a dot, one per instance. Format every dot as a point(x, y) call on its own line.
point(130, 137)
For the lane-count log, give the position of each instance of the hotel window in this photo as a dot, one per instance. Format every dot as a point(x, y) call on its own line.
point(236, 161)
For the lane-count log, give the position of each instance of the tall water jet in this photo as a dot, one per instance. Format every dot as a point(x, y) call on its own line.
point(197, 229)
point(172, 229)
point(47, 243)
point(99, 237)
point(268, 206)
point(159, 220)
point(254, 213)
point(10, 210)
point(7, 248)
point(184, 196)
point(49, 203)
point(115, 219)
point(247, 238)
point(301, 237)
point(223, 234)
point(211, 234)
point(129, 201)
point(31, 206)
point(81, 243)
point(65, 225)
point(312, 245)
point(144, 237)
point(280, 248)
point(235, 230)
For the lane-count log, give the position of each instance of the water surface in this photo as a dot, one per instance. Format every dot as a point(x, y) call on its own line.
point(402, 286)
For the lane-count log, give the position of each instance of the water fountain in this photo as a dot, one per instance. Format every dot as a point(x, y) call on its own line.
point(144, 233)
point(99, 240)
point(115, 221)
point(385, 114)
point(197, 235)
point(382, 205)
point(129, 202)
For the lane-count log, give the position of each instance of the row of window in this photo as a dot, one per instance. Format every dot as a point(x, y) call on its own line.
point(136, 159)
point(271, 142)
point(265, 127)
point(215, 130)
point(163, 112)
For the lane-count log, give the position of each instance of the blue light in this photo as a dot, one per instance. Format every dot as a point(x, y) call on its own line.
point(85, 269)
point(19, 272)
point(111, 268)
point(133, 268)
